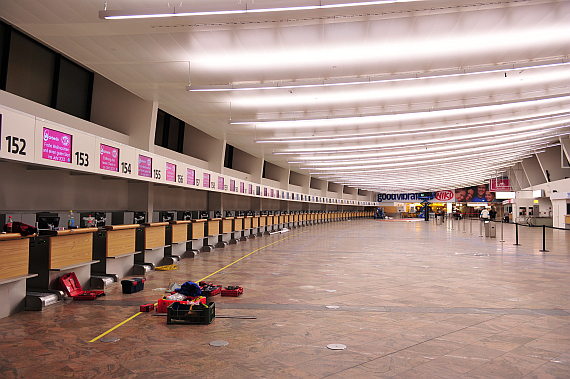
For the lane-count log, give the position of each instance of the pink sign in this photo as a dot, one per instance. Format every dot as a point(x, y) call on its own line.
point(251, 189)
point(170, 172)
point(232, 185)
point(109, 159)
point(242, 187)
point(190, 177)
point(272, 194)
point(206, 180)
point(264, 191)
point(145, 166)
point(220, 182)
point(56, 146)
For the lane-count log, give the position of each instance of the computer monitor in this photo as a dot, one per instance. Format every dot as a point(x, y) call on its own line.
point(48, 222)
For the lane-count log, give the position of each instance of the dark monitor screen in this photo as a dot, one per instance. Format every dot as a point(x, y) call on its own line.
point(139, 217)
point(166, 216)
point(48, 222)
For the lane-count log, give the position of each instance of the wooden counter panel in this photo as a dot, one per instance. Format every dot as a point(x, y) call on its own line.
point(154, 236)
point(15, 257)
point(227, 225)
point(247, 223)
point(181, 222)
point(213, 227)
point(70, 249)
point(120, 242)
point(197, 230)
point(567, 221)
point(262, 221)
point(179, 232)
point(238, 224)
point(255, 222)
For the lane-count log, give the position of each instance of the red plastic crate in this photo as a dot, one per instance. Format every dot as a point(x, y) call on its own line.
point(163, 304)
point(232, 292)
point(73, 289)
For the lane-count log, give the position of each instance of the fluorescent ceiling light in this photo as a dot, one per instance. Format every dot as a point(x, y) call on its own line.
point(213, 8)
point(411, 116)
point(376, 79)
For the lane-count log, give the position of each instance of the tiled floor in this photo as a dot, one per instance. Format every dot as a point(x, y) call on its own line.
point(415, 300)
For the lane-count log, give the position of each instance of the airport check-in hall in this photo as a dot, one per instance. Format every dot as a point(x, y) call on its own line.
point(285, 189)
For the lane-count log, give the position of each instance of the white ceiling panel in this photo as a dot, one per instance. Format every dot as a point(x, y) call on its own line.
point(517, 111)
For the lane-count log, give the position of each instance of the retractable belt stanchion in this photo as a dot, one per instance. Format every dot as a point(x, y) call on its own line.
point(502, 234)
point(464, 220)
point(470, 226)
point(544, 240)
point(481, 228)
point(516, 235)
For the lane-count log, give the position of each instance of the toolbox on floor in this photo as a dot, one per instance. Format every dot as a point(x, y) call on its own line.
point(73, 289)
point(179, 313)
point(233, 291)
point(147, 307)
point(210, 289)
point(164, 303)
point(133, 285)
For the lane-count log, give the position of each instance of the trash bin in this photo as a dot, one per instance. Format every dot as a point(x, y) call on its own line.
point(490, 230)
point(439, 220)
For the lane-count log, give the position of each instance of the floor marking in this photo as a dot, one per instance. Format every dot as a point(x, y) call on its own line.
point(204, 278)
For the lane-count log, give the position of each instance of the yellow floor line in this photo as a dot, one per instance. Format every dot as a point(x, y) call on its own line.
point(206, 277)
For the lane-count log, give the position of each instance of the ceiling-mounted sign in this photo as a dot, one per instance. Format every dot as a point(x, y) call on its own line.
point(17, 139)
point(170, 171)
point(191, 176)
point(59, 146)
point(115, 159)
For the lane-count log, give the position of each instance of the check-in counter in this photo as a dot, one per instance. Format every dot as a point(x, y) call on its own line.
point(114, 249)
point(197, 233)
point(178, 241)
point(15, 257)
point(567, 221)
point(237, 230)
point(226, 230)
point(247, 228)
point(150, 243)
point(212, 234)
point(60, 253)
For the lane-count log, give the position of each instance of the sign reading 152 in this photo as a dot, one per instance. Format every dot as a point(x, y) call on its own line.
point(16, 145)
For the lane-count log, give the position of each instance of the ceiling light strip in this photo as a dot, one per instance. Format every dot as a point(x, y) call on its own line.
point(378, 79)
point(216, 8)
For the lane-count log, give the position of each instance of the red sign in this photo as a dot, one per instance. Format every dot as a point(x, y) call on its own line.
point(444, 195)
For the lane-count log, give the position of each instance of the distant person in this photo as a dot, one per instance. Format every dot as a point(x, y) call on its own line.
point(480, 196)
point(489, 196)
point(492, 214)
point(485, 214)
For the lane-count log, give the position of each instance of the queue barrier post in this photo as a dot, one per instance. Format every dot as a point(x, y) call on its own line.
point(543, 239)
point(517, 235)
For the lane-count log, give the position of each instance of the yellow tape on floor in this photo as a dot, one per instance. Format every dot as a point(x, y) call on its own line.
point(204, 278)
